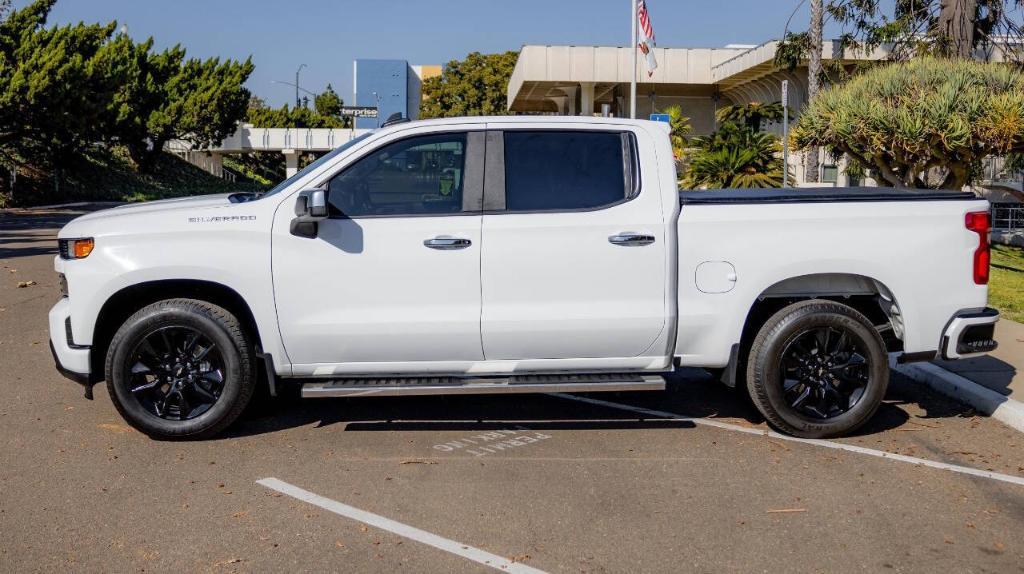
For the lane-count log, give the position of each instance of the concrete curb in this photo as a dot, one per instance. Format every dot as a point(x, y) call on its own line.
point(984, 400)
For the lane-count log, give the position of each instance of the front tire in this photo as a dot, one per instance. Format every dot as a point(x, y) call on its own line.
point(180, 369)
point(817, 369)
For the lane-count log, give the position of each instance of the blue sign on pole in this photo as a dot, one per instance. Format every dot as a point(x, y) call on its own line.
point(661, 118)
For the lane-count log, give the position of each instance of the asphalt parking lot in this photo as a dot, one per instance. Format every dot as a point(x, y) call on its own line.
point(685, 480)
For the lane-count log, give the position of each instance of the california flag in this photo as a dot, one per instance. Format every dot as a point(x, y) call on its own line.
point(646, 37)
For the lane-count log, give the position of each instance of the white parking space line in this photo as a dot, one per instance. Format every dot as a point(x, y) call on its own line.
point(815, 442)
point(410, 532)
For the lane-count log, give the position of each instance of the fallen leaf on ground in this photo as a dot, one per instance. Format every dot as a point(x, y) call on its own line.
point(785, 510)
point(23, 284)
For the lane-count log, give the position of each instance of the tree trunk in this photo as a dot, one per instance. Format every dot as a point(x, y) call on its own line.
point(956, 27)
point(813, 76)
point(150, 155)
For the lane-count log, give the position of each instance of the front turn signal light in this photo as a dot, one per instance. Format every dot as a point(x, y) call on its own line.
point(76, 248)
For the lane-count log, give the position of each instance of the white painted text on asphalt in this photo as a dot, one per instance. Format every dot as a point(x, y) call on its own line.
point(491, 442)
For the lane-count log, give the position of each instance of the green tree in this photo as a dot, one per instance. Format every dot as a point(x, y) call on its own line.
point(201, 102)
point(476, 86)
point(137, 111)
point(328, 103)
point(260, 115)
point(922, 123)
point(65, 88)
point(753, 115)
point(734, 157)
point(952, 28)
point(57, 85)
point(679, 129)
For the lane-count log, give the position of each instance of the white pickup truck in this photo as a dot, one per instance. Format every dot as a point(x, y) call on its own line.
point(504, 255)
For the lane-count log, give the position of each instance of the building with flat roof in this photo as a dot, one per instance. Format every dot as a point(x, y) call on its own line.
point(389, 85)
point(581, 79)
point(585, 80)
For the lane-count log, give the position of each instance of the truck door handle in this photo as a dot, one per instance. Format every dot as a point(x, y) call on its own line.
point(630, 239)
point(447, 243)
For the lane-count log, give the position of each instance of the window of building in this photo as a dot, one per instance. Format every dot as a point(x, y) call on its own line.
point(416, 176)
point(564, 170)
point(829, 173)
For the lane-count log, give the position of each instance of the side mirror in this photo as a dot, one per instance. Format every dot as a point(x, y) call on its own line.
point(311, 205)
point(310, 209)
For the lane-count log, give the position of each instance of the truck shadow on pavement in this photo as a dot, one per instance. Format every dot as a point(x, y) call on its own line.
point(689, 397)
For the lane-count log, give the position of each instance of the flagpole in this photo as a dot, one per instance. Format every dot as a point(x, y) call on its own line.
point(632, 81)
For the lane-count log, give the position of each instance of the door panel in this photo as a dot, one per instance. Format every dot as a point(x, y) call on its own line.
point(388, 279)
point(554, 283)
point(369, 290)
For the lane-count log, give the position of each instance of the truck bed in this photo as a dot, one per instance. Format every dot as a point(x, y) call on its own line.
point(738, 246)
point(818, 195)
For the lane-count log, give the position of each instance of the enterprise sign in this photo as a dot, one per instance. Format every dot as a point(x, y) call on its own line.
point(359, 111)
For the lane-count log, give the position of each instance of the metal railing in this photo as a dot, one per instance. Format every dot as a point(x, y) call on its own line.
point(1008, 216)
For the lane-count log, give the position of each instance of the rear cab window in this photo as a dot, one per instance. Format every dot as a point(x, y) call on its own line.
point(551, 170)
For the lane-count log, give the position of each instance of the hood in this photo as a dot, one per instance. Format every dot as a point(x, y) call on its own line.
point(191, 202)
point(145, 208)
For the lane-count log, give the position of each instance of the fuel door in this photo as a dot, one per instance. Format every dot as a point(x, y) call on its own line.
point(715, 277)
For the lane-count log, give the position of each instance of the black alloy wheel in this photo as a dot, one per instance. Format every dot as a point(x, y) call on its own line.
point(823, 372)
point(177, 373)
point(181, 369)
point(817, 369)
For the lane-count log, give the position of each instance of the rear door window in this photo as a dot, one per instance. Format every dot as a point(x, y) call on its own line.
point(565, 170)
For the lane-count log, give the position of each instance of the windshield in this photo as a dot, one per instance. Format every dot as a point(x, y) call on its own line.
point(317, 163)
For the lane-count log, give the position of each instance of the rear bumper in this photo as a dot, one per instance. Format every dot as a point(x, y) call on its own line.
point(970, 334)
point(71, 360)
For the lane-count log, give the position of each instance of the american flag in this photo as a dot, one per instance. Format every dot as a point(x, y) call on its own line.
point(646, 43)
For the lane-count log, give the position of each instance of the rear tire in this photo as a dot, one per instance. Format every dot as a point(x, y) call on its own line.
point(817, 369)
point(180, 369)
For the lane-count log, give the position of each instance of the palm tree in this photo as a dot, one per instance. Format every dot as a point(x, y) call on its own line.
point(734, 157)
point(813, 76)
point(679, 128)
point(751, 115)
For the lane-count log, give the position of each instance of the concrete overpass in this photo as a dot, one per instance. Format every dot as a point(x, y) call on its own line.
point(291, 142)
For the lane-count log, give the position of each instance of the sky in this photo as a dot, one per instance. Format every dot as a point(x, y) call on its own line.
point(327, 35)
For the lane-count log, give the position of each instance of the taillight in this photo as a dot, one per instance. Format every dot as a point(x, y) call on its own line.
point(980, 223)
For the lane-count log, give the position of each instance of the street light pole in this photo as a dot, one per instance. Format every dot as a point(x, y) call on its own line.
point(376, 96)
point(298, 102)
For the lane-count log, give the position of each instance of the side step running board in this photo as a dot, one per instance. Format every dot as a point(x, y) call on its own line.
point(406, 386)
